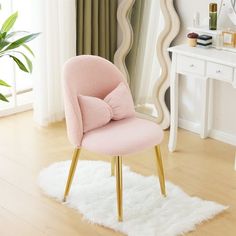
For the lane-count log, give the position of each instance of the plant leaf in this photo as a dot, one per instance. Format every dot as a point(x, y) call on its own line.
point(3, 35)
point(28, 61)
point(3, 98)
point(19, 63)
point(14, 33)
point(29, 49)
point(3, 83)
point(22, 41)
point(3, 43)
point(10, 21)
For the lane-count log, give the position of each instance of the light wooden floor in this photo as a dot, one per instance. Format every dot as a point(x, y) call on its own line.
point(202, 168)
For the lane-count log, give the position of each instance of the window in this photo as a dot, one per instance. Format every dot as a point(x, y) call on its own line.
point(20, 95)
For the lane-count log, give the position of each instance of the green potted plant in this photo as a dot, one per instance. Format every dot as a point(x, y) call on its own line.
point(11, 45)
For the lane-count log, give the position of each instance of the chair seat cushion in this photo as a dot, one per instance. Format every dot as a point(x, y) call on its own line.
point(123, 137)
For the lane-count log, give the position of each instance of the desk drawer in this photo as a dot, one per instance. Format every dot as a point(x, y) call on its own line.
point(220, 72)
point(191, 65)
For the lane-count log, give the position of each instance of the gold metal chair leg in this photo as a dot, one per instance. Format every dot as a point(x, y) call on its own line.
point(71, 172)
point(113, 162)
point(160, 170)
point(119, 190)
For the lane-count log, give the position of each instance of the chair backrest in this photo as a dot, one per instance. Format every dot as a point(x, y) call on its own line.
point(85, 75)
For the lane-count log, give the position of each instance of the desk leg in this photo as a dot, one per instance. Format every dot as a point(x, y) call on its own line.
point(174, 86)
point(204, 110)
point(235, 162)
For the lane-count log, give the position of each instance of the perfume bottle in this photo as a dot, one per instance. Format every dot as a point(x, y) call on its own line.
point(219, 41)
point(196, 19)
point(213, 16)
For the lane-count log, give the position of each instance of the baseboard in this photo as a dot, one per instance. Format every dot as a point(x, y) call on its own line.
point(222, 136)
point(189, 125)
point(215, 134)
point(12, 111)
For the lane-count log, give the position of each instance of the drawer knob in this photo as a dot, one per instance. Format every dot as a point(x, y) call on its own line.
point(192, 65)
point(218, 71)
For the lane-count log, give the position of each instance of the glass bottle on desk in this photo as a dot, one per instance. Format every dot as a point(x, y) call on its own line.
point(219, 41)
point(212, 16)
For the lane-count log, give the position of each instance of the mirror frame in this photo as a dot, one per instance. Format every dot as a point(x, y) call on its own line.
point(170, 31)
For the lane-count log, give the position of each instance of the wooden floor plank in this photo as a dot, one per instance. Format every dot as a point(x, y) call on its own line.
point(10, 225)
point(202, 168)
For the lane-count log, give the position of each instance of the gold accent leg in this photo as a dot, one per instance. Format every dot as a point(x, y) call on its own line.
point(119, 187)
point(71, 172)
point(160, 170)
point(113, 162)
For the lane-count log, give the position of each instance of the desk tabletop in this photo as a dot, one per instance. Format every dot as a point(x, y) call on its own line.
point(209, 54)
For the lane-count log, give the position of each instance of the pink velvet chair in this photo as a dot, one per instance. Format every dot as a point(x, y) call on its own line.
point(94, 77)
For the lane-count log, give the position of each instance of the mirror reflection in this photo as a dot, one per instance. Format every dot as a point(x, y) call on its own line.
point(227, 13)
point(142, 62)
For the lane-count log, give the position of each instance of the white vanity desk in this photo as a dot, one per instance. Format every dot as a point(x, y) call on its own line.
point(204, 64)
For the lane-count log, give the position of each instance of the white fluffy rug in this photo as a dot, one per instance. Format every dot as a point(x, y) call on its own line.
point(146, 212)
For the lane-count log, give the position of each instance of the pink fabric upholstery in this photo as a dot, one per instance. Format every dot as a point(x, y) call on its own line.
point(95, 112)
point(123, 137)
point(121, 102)
point(118, 104)
point(91, 76)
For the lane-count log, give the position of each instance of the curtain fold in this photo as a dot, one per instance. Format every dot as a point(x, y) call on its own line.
point(68, 28)
point(97, 28)
point(55, 19)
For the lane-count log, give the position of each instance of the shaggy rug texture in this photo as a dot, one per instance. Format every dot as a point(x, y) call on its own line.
point(146, 212)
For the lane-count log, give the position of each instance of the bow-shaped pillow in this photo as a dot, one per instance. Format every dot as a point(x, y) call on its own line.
point(116, 105)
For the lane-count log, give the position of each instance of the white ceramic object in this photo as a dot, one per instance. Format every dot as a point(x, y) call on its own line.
point(227, 10)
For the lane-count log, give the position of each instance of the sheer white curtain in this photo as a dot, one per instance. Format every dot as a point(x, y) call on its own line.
point(147, 68)
point(56, 19)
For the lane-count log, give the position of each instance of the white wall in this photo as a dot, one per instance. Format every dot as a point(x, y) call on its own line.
point(224, 108)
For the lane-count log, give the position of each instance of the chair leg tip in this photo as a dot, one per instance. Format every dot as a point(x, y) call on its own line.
point(64, 199)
